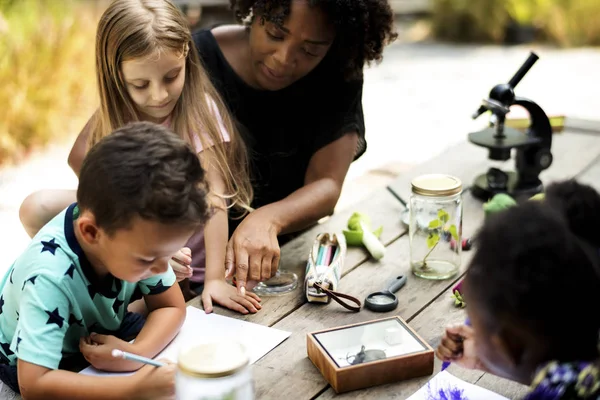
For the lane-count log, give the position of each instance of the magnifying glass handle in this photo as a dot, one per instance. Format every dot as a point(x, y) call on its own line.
point(397, 284)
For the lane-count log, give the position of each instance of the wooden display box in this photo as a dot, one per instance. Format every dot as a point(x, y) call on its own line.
point(369, 353)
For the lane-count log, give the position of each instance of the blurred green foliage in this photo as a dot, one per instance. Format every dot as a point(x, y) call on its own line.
point(47, 81)
point(560, 22)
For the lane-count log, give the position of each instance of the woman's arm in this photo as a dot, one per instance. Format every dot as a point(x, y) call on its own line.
point(215, 239)
point(253, 248)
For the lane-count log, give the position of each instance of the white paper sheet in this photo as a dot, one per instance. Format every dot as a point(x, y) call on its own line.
point(453, 388)
point(201, 327)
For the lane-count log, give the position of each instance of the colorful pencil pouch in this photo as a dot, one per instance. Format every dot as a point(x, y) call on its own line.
point(324, 270)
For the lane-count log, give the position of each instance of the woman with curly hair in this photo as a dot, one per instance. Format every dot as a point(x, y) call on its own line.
point(291, 74)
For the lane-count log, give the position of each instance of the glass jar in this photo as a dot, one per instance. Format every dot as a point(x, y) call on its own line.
point(217, 370)
point(435, 229)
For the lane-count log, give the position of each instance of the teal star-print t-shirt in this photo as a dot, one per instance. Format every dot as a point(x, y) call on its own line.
point(50, 297)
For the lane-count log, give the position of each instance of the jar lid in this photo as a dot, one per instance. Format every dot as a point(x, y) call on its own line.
point(213, 359)
point(436, 185)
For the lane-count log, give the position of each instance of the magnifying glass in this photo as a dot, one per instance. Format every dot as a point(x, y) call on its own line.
point(385, 300)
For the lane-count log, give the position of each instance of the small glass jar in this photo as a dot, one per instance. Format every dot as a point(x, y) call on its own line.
point(435, 229)
point(217, 370)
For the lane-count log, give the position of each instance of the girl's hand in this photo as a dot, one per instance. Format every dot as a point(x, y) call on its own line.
point(151, 382)
point(181, 264)
point(253, 250)
point(219, 291)
point(458, 346)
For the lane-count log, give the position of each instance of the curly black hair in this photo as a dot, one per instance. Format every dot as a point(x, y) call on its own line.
point(363, 27)
point(534, 260)
point(580, 204)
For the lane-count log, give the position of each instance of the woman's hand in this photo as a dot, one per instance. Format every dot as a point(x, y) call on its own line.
point(253, 250)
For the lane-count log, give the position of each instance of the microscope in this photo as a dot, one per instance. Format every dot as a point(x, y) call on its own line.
point(532, 147)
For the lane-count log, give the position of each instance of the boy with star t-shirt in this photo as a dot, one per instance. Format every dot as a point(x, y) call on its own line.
point(141, 196)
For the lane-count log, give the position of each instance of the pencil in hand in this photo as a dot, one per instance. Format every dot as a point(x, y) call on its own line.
point(133, 357)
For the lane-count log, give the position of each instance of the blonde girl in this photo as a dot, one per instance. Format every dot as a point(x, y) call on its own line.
point(148, 69)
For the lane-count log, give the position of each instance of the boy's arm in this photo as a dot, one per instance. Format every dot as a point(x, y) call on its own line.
point(215, 242)
point(166, 315)
point(166, 308)
point(37, 382)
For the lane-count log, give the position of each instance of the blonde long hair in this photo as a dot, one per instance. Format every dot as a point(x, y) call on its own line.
point(131, 29)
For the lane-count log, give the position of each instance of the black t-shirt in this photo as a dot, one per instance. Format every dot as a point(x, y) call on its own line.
point(283, 129)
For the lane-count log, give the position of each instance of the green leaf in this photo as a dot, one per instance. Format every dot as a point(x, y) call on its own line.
point(432, 239)
point(435, 224)
point(443, 216)
point(458, 300)
point(454, 232)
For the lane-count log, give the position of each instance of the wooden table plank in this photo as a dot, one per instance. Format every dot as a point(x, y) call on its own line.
point(294, 255)
point(383, 209)
point(576, 153)
point(287, 372)
point(272, 376)
point(505, 387)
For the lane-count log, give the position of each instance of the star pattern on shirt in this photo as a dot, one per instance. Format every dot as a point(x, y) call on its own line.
point(11, 275)
point(3, 358)
point(55, 318)
point(70, 271)
point(137, 295)
point(116, 305)
point(50, 246)
point(92, 292)
point(32, 280)
point(74, 320)
point(17, 315)
point(18, 341)
point(1, 303)
point(158, 288)
point(6, 349)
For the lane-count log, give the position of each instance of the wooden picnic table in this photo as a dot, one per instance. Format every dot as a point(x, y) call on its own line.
point(287, 373)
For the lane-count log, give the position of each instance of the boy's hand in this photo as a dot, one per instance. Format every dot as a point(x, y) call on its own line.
point(458, 346)
point(155, 383)
point(219, 291)
point(181, 263)
point(97, 350)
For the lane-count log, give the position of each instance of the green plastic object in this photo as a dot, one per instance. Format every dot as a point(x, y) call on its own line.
point(502, 201)
point(499, 202)
point(355, 238)
point(355, 220)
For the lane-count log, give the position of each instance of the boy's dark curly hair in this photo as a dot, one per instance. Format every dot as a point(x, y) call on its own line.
point(363, 27)
point(143, 170)
point(532, 261)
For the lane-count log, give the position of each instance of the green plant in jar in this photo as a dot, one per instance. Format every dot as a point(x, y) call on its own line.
point(437, 228)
